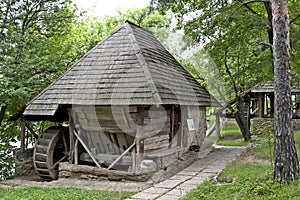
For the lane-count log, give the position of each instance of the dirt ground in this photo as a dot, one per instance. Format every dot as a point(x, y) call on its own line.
point(34, 181)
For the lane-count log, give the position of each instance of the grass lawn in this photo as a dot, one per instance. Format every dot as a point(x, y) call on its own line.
point(250, 176)
point(230, 136)
point(38, 193)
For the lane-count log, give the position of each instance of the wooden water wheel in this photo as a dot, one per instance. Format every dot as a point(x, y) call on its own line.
point(50, 149)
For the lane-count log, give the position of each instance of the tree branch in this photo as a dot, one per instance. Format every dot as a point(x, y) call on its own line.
point(264, 43)
point(293, 20)
point(249, 8)
point(252, 1)
point(246, 5)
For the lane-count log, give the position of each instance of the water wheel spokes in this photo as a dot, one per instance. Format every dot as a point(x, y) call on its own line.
point(51, 148)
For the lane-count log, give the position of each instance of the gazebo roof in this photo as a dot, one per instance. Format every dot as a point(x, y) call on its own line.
point(269, 88)
point(129, 67)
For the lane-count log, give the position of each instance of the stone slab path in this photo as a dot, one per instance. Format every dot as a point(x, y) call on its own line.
point(213, 159)
point(188, 179)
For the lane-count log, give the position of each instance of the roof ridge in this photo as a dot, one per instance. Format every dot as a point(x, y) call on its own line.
point(143, 62)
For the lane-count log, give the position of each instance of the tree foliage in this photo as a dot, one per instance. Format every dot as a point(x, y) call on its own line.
point(40, 40)
point(235, 33)
point(243, 38)
point(33, 37)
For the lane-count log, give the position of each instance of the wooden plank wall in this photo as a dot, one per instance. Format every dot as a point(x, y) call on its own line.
point(105, 127)
point(157, 128)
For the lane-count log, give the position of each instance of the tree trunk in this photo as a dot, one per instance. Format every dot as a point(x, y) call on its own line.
point(2, 113)
point(241, 121)
point(286, 166)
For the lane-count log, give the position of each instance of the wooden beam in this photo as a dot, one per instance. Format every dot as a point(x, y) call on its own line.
point(260, 105)
point(123, 154)
point(172, 122)
point(139, 147)
point(71, 135)
point(87, 149)
point(76, 159)
point(31, 130)
point(23, 130)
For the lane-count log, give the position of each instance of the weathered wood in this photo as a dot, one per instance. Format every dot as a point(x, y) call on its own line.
point(218, 127)
point(154, 139)
point(23, 133)
point(139, 147)
point(120, 157)
point(182, 136)
point(87, 149)
point(76, 153)
point(107, 159)
point(71, 135)
point(31, 130)
point(201, 128)
point(211, 130)
point(114, 143)
point(165, 152)
point(81, 171)
point(172, 122)
point(260, 105)
point(157, 145)
point(122, 141)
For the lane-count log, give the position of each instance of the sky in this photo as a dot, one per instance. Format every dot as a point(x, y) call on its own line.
point(102, 8)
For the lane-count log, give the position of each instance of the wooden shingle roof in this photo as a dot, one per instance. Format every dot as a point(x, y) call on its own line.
point(269, 88)
point(129, 67)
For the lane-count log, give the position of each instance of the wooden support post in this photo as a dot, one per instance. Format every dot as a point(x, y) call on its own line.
point(139, 141)
point(260, 105)
point(31, 131)
point(218, 128)
point(182, 137)
point(71, 136)
point(172, 122)
point(76, 159)
point(139, 147)
point(23, 130)
point(202, 124)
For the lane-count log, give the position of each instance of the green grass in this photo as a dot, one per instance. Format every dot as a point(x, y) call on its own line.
point(237, 142)
point(34, 193)
point(230, 130)
point(250, 180)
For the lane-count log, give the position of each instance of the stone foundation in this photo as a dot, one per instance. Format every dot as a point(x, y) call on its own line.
point(262, 125)
point(152, 172)
point(24, 163)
